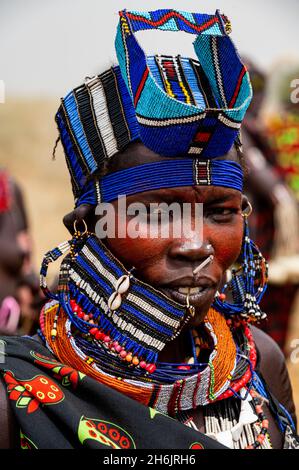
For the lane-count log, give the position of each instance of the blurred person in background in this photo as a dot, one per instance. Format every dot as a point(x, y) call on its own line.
point(282, 121)
point(18, 283)
point(274, 222)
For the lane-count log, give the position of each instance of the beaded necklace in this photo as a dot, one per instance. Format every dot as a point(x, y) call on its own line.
point(236, 424)
point(171, 387)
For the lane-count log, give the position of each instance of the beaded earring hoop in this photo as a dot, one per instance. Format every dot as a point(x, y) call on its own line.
point(78, 237)
point(248, 281)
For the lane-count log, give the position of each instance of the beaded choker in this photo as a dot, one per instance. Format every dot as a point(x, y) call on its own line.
point(171, 387)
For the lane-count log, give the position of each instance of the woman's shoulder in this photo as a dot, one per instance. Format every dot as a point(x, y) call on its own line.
point(267, 347)
point(272, 365)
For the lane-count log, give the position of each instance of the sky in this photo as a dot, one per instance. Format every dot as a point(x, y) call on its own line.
point(48, 46)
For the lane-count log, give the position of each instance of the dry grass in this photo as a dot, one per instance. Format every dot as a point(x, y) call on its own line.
point(27, 136)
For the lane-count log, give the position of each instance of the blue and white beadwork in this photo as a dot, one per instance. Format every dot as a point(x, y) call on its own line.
point(177, 107)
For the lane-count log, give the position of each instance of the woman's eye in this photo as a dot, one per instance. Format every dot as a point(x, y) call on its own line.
point(222, 214)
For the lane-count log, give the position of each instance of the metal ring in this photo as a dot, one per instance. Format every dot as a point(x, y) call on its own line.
point(247, 214)
point(85, 227)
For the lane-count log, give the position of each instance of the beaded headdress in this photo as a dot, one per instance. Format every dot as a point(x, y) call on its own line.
point(177, 107)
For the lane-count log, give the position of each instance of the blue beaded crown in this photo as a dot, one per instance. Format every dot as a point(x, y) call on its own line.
point(177, 107)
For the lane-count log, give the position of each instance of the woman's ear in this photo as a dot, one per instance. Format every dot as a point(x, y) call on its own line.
point(84, 212)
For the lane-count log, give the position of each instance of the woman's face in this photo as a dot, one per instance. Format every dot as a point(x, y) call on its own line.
point(168, 263)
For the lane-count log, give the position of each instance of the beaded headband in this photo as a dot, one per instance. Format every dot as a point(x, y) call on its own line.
point(170, 173)
point(177, 107)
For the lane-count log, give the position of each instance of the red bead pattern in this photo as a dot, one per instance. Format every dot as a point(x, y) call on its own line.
point(262, 420)
point(100, 335)
point(236, 386)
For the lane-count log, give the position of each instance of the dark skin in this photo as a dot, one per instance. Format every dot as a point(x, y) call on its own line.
point(161, 262)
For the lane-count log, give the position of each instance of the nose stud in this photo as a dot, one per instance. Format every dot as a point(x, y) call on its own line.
point(203, 264)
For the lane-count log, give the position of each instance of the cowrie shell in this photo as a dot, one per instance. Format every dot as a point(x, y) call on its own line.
point(122, 284)
point(114, 301)
point(236, 431)
point(225, 438)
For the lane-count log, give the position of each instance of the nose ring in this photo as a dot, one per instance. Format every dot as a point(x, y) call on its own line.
point(203, 264)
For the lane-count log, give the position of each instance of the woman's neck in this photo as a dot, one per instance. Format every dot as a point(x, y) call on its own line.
point(177, 350)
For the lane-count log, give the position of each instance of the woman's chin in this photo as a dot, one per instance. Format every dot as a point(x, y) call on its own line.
point(200, 301)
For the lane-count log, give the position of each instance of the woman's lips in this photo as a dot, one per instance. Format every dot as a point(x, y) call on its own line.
point(198, 296)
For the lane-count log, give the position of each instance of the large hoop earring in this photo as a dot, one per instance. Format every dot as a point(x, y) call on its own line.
point(79, 237)
point(248, 212)
point(248, 282)
point(76, 231)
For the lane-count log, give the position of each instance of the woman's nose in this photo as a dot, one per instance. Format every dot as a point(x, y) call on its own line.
point(192, 250)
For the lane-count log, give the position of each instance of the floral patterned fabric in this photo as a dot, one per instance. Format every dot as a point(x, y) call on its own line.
point(58, 407)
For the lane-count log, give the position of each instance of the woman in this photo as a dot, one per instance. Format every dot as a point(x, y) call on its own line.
point(140, 321)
